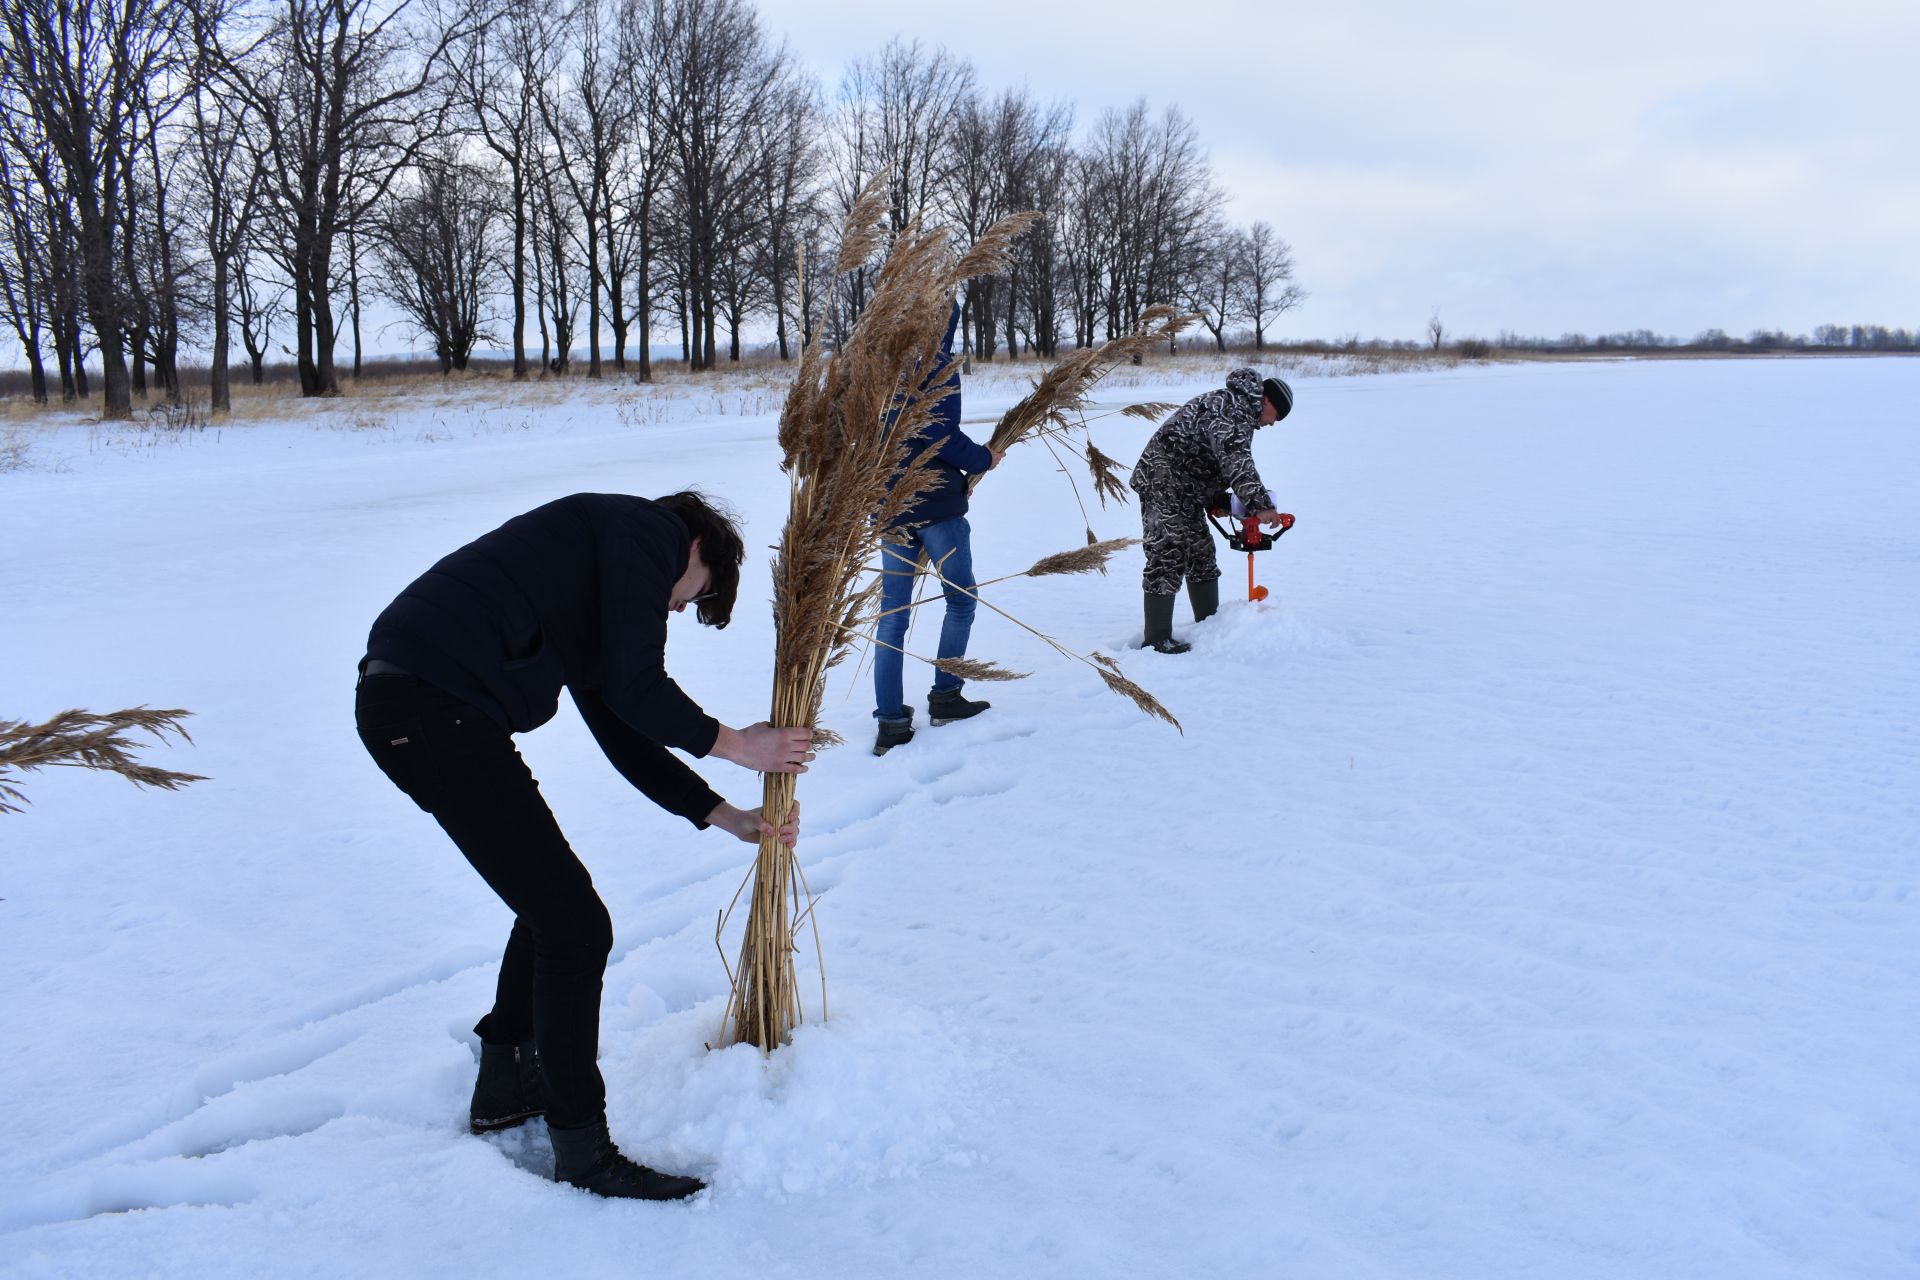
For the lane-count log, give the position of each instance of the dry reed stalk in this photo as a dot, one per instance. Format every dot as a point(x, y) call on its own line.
point(1109, 669)
point(83, 740)
point(846, 489)
point(1091, 558)
point(1063, 389)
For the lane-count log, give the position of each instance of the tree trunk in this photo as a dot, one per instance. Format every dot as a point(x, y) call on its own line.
point(643, 295)
point(686, 329)
point(63, 357)
point(780, 318)
point(595, 286)
point(303, 322)
point(353, 300)
point(36, 370)
point(519, 278)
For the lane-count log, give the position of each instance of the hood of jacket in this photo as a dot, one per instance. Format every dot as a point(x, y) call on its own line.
point(953, 327)
point(1244, 386)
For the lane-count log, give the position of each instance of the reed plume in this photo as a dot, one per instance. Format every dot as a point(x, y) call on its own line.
point(1063, 389)
point(1091, 558)
point(846, 433)
point(83, 740)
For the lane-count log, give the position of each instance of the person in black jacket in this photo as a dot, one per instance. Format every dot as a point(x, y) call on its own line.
point(575, 593)
point(936, 525)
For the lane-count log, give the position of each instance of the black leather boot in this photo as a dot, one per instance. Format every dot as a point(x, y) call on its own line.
point(894, 732)
point(509, 1090)
point(586, 1158)
point(1159, 634)
point(1204, 597)
point(949, 705)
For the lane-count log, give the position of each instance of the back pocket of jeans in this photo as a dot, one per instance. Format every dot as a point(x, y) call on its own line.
point(402, 754)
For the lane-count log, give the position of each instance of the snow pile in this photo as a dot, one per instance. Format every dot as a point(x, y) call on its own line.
point(882, 1091)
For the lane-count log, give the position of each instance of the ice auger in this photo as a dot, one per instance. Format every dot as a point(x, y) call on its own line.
point(1248, 536)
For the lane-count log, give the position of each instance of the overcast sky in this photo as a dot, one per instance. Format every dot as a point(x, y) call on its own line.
point(1540, 168)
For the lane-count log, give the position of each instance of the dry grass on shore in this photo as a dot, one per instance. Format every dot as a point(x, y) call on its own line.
point(412, 385)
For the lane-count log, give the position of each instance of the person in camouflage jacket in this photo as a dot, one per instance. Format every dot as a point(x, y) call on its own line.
point(1204, 448)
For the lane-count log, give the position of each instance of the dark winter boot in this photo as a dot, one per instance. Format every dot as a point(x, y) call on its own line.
point(586, 1157)
point(894, 732)
point(948, 705)
point(509, 1090)
point(1159, 635)
point(1204, 597)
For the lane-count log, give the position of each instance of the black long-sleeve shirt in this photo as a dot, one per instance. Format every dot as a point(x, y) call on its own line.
point(576, 594)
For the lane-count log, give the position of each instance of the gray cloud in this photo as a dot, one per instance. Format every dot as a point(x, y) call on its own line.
point(1675, 166)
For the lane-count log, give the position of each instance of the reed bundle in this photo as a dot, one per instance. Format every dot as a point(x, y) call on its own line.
point(847, 487)
point(83, 740)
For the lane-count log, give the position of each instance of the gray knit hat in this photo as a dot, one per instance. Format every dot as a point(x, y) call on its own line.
point(1280, 395)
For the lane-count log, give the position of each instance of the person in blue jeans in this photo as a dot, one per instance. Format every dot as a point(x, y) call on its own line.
point(935, 524)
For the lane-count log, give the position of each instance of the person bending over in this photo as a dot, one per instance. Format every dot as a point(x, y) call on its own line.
point(1204, 447)
point(574, 594)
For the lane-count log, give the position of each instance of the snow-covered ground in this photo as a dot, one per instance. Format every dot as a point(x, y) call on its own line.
point(1535, 890)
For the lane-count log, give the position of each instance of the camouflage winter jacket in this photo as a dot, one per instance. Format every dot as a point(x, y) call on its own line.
point(1207, 446)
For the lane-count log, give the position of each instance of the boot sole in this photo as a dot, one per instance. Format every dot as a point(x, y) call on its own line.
point(495, 1124)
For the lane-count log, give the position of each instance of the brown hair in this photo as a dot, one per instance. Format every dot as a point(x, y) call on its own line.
point(720, 550)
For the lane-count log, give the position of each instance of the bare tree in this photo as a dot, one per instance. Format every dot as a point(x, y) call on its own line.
point(557, 270)
point(1436, 332)
point(1160, 193)
point(499, 81)
point(897, 115)
point(787, 133)
point(434, 251)
point(1267, 290)
point(1039, 260)
point(25, 287)
point(258, 301)
point(583, 115)
point(1086, 245)
point(1213, 289)
point(228, 183)
point(162, 274)
point(83, 78)
point(719, 75)
point(338, 90)
point(1025, 143)
point(644, 174)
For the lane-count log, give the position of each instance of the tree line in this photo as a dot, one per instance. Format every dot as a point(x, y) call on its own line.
point(211, 173)
point(1825, 337)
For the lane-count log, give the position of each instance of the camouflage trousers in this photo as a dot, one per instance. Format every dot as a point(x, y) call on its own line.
point(1173, 524)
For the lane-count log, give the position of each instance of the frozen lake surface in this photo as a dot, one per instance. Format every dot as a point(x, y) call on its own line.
point(1535, 889)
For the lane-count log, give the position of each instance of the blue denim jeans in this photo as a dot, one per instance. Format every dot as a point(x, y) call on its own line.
point(949, 544)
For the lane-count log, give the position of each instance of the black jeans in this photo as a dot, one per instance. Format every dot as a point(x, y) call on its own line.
point(461, 767)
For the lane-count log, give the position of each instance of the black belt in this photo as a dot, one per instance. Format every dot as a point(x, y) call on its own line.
point(381, 667)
